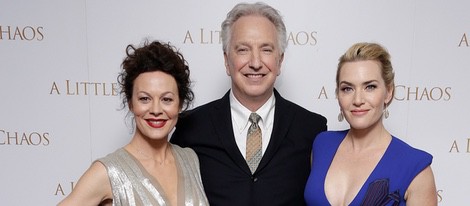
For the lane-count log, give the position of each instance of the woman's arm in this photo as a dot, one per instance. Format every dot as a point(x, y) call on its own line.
point(91, 189)
point(422, 190)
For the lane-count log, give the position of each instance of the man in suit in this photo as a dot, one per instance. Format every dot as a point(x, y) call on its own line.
point(254, 41)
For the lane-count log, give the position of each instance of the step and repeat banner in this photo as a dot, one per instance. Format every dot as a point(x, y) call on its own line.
point(60, 108)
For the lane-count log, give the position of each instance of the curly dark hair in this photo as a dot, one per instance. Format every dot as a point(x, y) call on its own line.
point(155, 56)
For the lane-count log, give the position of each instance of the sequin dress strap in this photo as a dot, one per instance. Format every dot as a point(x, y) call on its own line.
point(190, 189)
point(129, 184)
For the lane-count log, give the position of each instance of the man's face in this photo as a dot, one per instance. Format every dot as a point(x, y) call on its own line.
point(253, 59)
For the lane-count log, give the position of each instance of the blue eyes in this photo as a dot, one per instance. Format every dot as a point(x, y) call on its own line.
point(367, 88)
point(371, 87)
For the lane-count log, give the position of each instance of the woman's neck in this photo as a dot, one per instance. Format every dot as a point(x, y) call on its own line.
point(156, 150)
point(363, 139)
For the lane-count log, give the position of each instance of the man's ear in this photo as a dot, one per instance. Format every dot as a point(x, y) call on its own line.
point(227, 68)
point(281, 59)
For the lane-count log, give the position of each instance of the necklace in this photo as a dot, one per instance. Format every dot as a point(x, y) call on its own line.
point(149, 156)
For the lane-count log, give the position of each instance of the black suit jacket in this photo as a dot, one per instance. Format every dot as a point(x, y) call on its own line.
point(284, 168)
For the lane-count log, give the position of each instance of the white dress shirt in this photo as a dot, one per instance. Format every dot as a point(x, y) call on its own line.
point(241, 123)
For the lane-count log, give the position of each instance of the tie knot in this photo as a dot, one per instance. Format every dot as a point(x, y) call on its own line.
point(254, 118)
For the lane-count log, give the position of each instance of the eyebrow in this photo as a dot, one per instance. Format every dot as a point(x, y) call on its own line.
point(365, 83)
point(268, 44)
point(243, 43)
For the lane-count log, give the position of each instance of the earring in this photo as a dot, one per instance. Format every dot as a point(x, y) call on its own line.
point(340, 116)
point(386, 113)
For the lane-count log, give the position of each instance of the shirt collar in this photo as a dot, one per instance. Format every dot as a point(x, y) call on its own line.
point(240, 114)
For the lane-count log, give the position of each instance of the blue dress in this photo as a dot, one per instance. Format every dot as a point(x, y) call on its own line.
point(388, 181)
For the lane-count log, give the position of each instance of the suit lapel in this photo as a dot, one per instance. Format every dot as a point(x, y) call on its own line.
point(222, 119)
point(283, 117)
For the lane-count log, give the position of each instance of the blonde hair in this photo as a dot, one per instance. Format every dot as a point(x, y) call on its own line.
point(370, 51)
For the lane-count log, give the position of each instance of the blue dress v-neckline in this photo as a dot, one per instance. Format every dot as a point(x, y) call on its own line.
point(388, 181)
point(369, 179)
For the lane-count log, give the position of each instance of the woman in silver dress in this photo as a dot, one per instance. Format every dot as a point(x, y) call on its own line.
point(155, 86)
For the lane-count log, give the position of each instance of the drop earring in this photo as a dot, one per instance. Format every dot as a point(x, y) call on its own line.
point(386, 113)
point(340, 116)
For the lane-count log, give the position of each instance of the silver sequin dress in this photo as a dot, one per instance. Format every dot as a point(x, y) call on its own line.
point(133, 186)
